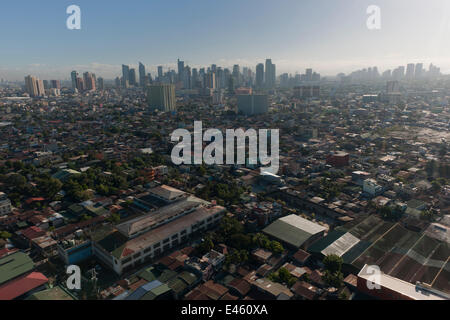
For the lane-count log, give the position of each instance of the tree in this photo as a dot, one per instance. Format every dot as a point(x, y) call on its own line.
point(333, 275)
point(5, 235)
point(333, 263)
point(276, 247)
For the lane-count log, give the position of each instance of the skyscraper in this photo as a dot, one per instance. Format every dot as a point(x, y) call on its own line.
point(410, 71)
point(252, 104)
point(89, 81)
point(125, 76)
point(162, 97)
point(180, 65)
point(419, 71)
point(260, 75)
point(270, 76)
point(31, 86)
point(74, 76)
point(236, 75)
point(132, 75)
point(160, 73)
point(141, 75)
point(101, 83)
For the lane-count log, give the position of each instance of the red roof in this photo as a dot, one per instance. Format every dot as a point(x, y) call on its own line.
point(33, 232)
point(22, 285)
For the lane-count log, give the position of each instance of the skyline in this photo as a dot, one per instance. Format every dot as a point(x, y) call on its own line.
point(330, 38)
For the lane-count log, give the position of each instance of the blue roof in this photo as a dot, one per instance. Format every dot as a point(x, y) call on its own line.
point(142, 290)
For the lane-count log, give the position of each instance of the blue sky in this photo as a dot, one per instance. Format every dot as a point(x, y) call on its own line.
point(328, 35)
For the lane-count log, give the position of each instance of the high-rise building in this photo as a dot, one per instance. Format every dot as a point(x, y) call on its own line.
point(210, 80)
point(410, 71)
point(180, 65)
point(270, 76)
point(160, 72)
point(162, 97)
point(100, 84)
point(253, 104)
point(40, 88)
point(74, 76)
point(141, 75)
point(419, 71)
point(125, 76)
point(31, 86)
point(133, 81)
point(259, 75)
point(55, 84)
point(89, 81)
point(236, 75)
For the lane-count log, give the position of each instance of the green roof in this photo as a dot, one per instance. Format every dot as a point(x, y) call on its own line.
point(55, 293)
point(177, 285)
point(15, 265)
point(188, 277)
point(167, 275)
point(148, 274)
point(156, 292)
point(287, 233)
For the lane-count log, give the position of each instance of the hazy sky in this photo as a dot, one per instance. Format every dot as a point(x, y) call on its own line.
point(329, 35)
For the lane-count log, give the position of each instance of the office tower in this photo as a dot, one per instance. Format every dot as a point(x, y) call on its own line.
point(141, 74)
point(210, 80)
point(260, 75)
point(419, 71)
point(46, 84)
point(125, 76)
point(55, 84)
point(80, 85)
point(410, 71)
point(74, 76)
point(284, 80)
point(305, 92)
point(308, 75)
point(236, 75)
point(162, 97)
point(31, 86)
point(398, 73)
point(214, 68)
point(160, 72)
point(270, 75)
point(221, 79)
point(89, 81)
point(117, 82)
point(132, 77)
point(194, 78)
point(40, 88)
point(315, 76)
point(187, 78)
point(253, 104)
point(386, 74)
point(180, 65)
point(100, 84)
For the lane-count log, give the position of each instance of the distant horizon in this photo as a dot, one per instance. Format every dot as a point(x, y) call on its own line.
point(328, 36)
point(110, 72)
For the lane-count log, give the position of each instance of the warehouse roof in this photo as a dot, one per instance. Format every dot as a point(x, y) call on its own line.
point(22, 285)
point(293, 230)
point(14, 265)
